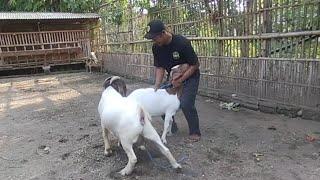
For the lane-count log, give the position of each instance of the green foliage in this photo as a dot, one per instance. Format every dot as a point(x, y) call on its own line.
point(50, 5)
point(115, 12)
point(235, 18)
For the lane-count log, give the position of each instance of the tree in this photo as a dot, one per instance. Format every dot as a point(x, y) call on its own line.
point(51, 5)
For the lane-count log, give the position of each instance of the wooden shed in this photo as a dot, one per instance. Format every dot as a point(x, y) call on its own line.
point(29, 40)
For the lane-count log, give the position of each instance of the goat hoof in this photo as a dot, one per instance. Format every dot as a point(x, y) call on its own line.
point(178, 168)
point(108, 153)
point(124, 172)
point(169, 133)
point(164, 141)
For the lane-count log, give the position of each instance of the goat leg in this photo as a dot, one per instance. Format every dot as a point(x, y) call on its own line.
point(151, 134)
point(105, 135)
point(90, 67)
point(166, 127)
point(132, 159)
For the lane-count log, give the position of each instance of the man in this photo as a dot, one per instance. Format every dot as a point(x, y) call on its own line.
point(170, 50)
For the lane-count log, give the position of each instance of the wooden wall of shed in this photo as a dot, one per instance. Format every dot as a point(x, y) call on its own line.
point(21, 27)
point(34, 26)
point(28, 44)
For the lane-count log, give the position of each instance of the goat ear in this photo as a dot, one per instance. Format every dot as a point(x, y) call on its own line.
point(108, 79)
point(105, 83)
point(122, 88)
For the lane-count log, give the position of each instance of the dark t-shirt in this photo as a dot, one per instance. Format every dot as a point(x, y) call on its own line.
point(179, 51)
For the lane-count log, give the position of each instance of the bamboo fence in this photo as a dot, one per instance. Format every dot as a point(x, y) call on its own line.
point(264, 51)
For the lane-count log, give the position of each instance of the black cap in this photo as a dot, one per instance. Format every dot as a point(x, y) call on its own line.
point(155, 27)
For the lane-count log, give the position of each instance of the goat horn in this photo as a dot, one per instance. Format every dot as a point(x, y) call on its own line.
point(114, 78)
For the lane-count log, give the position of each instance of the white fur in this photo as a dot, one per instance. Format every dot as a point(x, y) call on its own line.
point(157, 104)
point(121, 116)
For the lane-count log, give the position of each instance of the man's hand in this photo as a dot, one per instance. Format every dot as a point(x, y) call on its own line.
point(176, 83)
point(159, 76)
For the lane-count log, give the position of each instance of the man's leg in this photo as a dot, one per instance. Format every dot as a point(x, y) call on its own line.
point(187, 103)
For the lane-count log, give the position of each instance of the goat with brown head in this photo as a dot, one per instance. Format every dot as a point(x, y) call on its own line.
point(117, 83)
point(176, 73)
point(127, 120)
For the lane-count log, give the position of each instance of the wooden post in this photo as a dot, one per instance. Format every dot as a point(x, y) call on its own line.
point(220, 45)
point(130, 30)
point(267, 27)
point(262, 67)
point(220, 42)
point(1, 58)
point(174, 15)
point(266, 45)
point(247, 26)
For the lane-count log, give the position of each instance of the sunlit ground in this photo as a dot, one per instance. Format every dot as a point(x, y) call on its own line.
point(29, 92)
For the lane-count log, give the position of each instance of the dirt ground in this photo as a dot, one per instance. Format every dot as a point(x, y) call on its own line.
point(50, 129)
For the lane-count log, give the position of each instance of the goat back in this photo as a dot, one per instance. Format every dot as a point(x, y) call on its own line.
point(120, 114)
point(156, 103)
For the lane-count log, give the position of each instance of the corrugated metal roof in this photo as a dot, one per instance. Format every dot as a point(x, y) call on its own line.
point(45, 16)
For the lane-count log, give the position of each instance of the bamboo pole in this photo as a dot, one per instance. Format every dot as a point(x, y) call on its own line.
point(249, 37)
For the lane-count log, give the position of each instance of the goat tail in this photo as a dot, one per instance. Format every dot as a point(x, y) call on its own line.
point(144, 116)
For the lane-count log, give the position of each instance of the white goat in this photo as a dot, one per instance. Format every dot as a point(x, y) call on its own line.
point(163, 101)
point(127, 120)
point(92, 61)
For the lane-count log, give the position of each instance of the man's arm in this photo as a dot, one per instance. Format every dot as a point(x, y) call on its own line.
point(189, 72)
point(159, 77)
point(189, 54)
